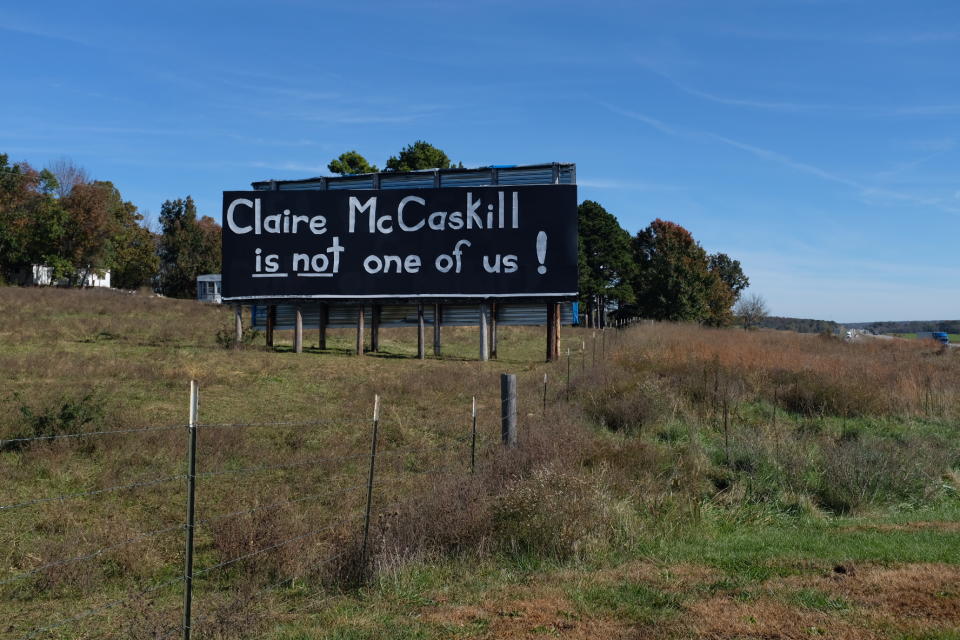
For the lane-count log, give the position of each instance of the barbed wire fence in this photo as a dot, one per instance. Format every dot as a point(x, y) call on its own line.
point(191, 617)
point(170, 578)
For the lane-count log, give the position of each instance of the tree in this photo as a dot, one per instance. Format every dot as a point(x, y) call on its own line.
point(673, 281)
point(419, 155)
point(68, 175)
point(751, 311)
point(188, 247)
point(133, 248)
point(728, 280)
point(32, 221)
point(351, 163)
point(605, 262)
point(94, 213)
point(729, 271)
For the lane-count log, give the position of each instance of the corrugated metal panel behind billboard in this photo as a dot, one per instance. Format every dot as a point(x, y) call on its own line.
point(421, 180)
point(479, 177)
point(533, 175)
point(343, 316)
point(298, 186)
point(359, 182)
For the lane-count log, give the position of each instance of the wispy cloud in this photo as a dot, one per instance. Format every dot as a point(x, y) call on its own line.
point(7, 24)
point(931, 110)
point(867, 191)
point(848, 37)
point(737, 102)
point(905, 167)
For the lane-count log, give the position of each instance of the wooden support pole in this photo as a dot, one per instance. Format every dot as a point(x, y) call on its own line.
point(508, 409)
point(556, 331)
point(484, 328)
point(436, 329)
point(551, 330)
point(375, 328)
point(324, 319)
point(238, 325)
point(359, 347)
point(421, 336)
point(271, 323)
point(298, 329)
point(493, 330)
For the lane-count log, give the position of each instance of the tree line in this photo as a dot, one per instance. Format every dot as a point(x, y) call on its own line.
point(60, 218)
point(661, 273)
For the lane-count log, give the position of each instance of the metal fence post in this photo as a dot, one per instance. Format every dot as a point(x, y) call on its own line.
point(508, 409)
point(373, 460)
point(568, 374)
point(191, 494)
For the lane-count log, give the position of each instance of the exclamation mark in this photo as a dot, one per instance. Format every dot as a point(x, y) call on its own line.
point(541, 251)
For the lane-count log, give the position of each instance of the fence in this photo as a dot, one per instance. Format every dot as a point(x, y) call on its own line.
point(330, 530)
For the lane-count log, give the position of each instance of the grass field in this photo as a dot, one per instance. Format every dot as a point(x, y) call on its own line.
point(953, 337)
point(695, 484)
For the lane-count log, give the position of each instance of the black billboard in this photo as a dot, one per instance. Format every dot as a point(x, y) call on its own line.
point(471, 242)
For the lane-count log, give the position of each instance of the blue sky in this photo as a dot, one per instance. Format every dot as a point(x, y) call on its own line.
point(817, 142)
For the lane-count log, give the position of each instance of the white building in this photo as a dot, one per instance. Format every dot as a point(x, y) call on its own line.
point(208, 287)
point(42, 276)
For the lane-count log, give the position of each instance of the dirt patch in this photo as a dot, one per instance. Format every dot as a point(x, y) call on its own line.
point(725, 617)
point(537, 618)
point(911, 594)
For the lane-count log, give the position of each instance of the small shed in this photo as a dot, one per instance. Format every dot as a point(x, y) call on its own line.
point(208, 288)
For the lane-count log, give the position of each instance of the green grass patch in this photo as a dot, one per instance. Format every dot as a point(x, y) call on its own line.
point(633, 602)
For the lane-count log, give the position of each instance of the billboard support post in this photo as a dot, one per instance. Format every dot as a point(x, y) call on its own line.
point(493, 330)
point(322, 321)
point(375, 327)
point(298, 330)
point(359, 346)
point(421, 337)
point(238, 326)
point(484, 329)
point(436, 330)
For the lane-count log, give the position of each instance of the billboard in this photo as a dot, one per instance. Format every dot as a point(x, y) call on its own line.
point(471, 242)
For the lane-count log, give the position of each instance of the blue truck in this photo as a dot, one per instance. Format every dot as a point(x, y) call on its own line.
point(939, 336)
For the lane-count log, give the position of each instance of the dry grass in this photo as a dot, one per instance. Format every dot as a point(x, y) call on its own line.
point(673, 426)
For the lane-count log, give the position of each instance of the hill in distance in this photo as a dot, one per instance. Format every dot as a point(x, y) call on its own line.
point(907, 326)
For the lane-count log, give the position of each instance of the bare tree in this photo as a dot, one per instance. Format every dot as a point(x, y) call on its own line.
point(68, 175)
point(751, 310)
